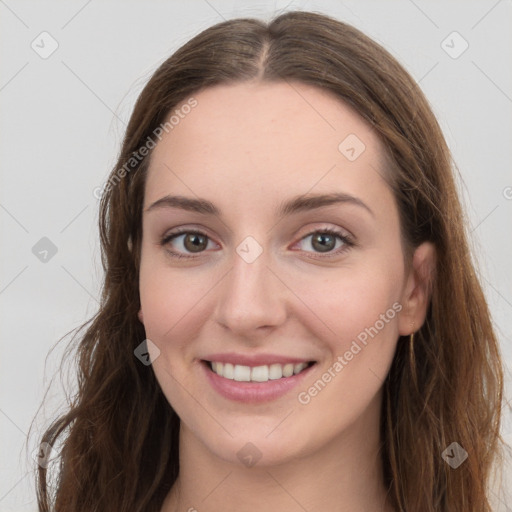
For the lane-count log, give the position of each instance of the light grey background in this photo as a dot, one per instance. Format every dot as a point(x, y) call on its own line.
point(64, 115)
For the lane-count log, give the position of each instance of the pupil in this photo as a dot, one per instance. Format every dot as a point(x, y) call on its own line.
point(322, 238)
point(196, 242)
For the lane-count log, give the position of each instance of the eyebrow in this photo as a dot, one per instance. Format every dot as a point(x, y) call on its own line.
point(289, 207)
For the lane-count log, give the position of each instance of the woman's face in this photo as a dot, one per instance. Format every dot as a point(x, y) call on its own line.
point(263, 284)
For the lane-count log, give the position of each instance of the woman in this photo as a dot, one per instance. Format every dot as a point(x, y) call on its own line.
point(290, 318)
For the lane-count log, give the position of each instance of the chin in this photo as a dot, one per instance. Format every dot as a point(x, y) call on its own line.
point(252, 443)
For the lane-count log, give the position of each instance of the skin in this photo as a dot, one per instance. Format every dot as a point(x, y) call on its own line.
point(246, 148)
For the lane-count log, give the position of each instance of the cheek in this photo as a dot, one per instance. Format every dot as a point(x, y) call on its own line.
point(171, 302)
point(169, 298)
point(361, 307)
point(364, 319)
point(353, 300)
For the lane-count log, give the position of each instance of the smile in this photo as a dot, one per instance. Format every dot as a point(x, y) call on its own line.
point(255, 384)
point(263, 373)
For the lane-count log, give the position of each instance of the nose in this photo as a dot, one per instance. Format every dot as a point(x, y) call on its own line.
point(252, 299)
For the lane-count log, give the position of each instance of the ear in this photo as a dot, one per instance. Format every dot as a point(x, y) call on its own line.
point(418, 289)
point(141, 316)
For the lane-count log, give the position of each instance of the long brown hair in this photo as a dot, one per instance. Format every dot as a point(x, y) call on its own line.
point(120, 435)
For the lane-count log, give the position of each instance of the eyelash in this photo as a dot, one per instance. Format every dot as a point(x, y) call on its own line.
point(347, 241)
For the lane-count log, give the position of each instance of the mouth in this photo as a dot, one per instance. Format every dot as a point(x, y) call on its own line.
point(256, 374)
point(255, 378)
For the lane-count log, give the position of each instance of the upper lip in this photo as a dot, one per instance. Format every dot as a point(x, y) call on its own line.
point(255, 359)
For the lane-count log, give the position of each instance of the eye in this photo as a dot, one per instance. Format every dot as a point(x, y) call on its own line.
point(191, 241)
point(325, 241)
point(196, 242)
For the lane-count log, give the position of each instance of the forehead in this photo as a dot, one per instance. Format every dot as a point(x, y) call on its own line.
point(281, 138)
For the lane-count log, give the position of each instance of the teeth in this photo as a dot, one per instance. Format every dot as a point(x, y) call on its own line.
point(263, 373)
point(275, 371)
point(288, 370)
point(299, 367)
point(242, 373)
point(259, 373)
point(227, 370)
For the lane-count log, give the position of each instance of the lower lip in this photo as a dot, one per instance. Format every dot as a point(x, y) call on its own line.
point(253, 392)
